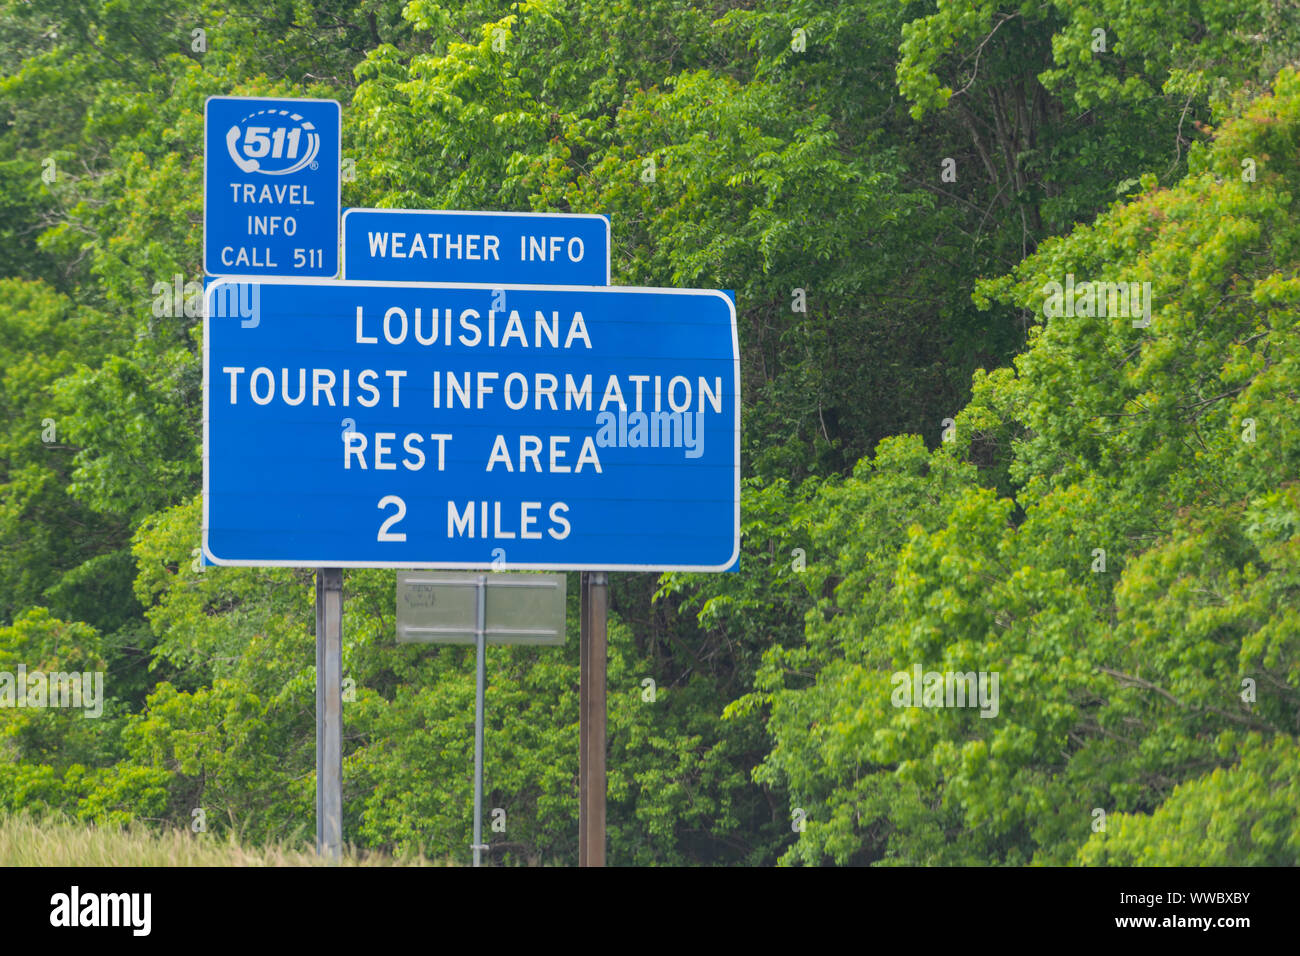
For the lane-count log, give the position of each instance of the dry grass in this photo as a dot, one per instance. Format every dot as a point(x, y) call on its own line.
point(53, 841)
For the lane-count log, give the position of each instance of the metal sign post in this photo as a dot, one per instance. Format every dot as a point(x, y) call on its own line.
point(591, 719)
point(329, 711)
point(480, 641)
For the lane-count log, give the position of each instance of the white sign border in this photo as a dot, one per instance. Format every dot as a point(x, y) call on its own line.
point(462, 565)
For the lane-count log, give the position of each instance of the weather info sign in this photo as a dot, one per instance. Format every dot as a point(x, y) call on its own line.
point(271, 187)
point(430, 245)
point(421, 425)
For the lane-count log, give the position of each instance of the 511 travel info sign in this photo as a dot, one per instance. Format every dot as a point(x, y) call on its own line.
point(272, 186)
point(437, 425)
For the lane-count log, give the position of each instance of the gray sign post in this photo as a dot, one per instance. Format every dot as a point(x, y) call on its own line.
point(592, 782)
point(480, 681)
point(455, 607)
point(329, 712)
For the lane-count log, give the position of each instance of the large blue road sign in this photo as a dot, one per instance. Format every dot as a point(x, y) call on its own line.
point(432, 245)
point(391, 424)
point(271, 187)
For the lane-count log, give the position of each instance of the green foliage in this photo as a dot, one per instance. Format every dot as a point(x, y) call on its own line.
point(1117, 685)
point(798, 153)
point(44, 531)
point(1241, 816)
point(57, 736)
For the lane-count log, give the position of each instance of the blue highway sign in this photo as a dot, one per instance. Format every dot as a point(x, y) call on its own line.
point(431, 245)
point(438, 425)
point(271, 187)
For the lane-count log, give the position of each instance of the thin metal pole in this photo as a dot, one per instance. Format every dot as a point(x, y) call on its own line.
point(584, 724)
point(479, 685)
point(591, 719)
point(329, 712)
